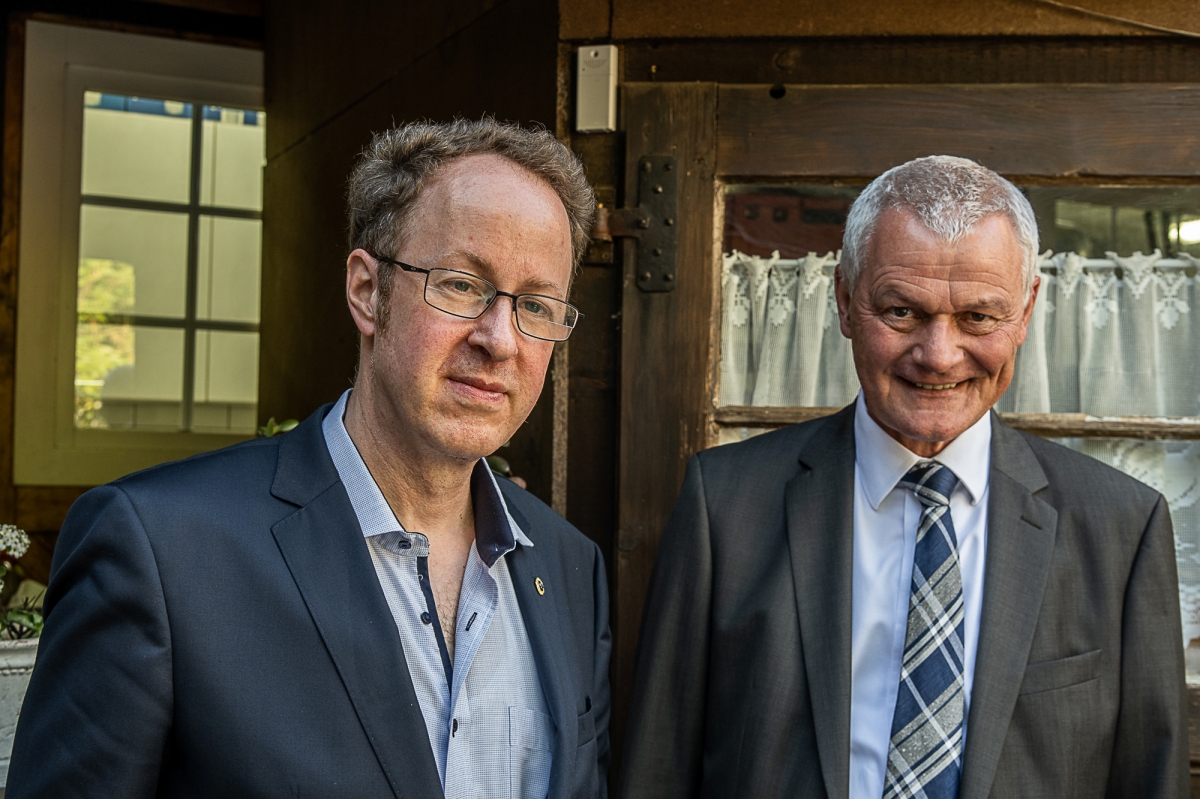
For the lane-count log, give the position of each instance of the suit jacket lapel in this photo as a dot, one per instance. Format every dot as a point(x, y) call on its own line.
point(1020, 543)
point(820, 524)
point(323, 547)
point(544, 624)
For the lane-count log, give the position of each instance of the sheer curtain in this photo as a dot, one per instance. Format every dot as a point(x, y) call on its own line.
point(1117, 336)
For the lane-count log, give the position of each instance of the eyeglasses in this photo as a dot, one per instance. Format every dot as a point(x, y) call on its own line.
point(468, 296)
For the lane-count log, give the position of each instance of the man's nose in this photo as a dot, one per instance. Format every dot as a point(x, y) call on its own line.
point(938, 348)
point(496, 330)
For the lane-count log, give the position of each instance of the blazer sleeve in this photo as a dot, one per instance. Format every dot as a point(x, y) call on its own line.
point(99, 705)
point(664, 742)
point(1150, 752)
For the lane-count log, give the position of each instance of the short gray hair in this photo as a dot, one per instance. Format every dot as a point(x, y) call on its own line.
point(396, 166)
point(950, 196)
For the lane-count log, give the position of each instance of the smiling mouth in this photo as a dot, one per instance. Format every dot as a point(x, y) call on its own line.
point(936, 386)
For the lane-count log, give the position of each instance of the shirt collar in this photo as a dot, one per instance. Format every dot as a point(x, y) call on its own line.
point(882, 460)
point(496, 532)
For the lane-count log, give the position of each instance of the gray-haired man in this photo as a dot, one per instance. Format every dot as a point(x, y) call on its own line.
point(358, 608)
point(910, 598)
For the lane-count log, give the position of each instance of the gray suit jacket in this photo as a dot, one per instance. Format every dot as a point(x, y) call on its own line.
point(743, 669)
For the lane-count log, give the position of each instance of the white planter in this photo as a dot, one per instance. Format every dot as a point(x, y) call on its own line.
point(16, 664)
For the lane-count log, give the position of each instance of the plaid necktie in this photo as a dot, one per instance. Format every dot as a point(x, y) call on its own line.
point(925, 754)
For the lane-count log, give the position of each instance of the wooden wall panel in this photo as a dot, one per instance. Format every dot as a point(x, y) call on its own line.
point(10, 226)
point(1148, 130)
point(664, 19)
point(584, 19)
point(323, 58)
point(818, 61)
point(666, 344)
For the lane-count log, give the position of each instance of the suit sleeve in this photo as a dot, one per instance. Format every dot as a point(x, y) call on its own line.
point(601, 692)
point(99, 705)
point(664, 744)
point(1150, 752)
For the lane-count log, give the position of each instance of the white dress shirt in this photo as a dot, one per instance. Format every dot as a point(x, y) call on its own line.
point(885, 537)
point(485, 712)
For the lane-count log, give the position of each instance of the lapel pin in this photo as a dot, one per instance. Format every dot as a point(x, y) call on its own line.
point(539, 585)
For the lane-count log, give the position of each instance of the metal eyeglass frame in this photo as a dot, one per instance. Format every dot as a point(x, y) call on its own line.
point(499, 293)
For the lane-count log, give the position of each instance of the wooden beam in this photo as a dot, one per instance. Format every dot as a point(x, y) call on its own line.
point(10, 224)
point(1149, 130)
point(240, 8)
point(1047, 425)
point(667, 342)
point(893, 60)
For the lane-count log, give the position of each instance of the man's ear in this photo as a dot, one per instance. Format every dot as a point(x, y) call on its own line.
point(1028, 312)
point(362, 290)
point(841, 293)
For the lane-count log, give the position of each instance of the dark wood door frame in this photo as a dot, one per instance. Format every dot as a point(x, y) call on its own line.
point(1047, 133)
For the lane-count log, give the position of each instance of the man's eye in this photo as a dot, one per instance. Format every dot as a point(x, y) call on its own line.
point(978, 318)
point(901, 313)
point(462, 286)
point(533, 307)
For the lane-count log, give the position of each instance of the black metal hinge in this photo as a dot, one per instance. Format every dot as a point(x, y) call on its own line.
point(652, 223)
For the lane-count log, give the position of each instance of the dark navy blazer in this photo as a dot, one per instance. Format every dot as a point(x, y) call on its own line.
point(215, 627)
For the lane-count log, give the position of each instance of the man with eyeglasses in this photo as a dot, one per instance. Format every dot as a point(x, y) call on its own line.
point(358, 608)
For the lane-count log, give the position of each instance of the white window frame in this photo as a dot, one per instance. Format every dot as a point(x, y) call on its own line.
point(61, 63)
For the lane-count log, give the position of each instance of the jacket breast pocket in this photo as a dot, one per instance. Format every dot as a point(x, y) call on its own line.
point(587, 727)
point(530, 752)
point(1050, 675)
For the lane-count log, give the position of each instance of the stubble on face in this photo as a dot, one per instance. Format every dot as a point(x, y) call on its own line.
point(459, 388)
point(935, 326)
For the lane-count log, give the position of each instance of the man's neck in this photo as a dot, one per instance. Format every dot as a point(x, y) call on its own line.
point(429, 494)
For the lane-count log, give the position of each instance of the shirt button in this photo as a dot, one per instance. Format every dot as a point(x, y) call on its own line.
point(425, 617)
point(453, 727)
point(405, 544)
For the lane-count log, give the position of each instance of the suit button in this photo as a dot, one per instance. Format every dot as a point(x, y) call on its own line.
point(425, 617)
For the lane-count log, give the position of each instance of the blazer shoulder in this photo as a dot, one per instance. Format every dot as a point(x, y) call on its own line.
point(771, 450)
point(235, 465)
point(1069, 472)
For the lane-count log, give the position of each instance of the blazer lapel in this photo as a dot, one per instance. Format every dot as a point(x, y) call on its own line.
point(544, 624)
point(820, 524)
point(1020, 543)
point(323, 547)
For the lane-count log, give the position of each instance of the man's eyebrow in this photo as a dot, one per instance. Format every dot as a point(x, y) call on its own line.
point(484, 265)
point(896, 296)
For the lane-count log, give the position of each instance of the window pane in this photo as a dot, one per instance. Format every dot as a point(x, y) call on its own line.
point(1115, 331)
point(780, 342)
point(128, 377)
point(233, 156)
point(147, 251)
point(226, 390)
point(136, 148)
point(229, 269)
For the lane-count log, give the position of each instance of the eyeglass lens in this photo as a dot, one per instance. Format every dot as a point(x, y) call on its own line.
point(468, 296)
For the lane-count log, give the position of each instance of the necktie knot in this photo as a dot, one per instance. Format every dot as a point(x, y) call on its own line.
point(932, 482)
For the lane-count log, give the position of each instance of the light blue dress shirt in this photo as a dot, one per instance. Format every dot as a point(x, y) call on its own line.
point(885, 540)
point(486, 715)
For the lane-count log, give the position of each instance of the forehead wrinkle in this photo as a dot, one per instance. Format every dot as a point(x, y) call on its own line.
point(917, 292)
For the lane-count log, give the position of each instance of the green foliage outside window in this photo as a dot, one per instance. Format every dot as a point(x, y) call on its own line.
point(105, 286)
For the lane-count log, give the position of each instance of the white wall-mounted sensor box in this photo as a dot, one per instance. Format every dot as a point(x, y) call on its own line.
point(596, 89)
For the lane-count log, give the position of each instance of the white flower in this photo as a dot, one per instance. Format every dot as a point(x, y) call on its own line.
point(13, 540)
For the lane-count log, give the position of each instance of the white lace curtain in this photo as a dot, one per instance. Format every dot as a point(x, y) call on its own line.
point(1117, 336)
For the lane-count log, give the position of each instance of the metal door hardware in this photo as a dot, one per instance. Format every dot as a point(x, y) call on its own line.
point(652, 223)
